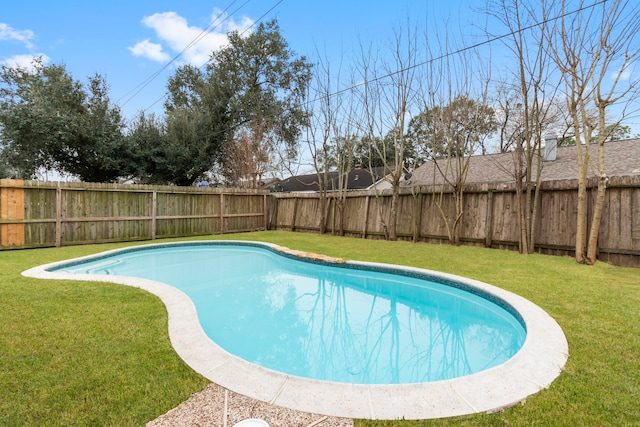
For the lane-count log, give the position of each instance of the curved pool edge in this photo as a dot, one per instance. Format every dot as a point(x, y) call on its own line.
point(536, 365)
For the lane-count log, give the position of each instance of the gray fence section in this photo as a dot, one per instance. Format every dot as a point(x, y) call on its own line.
point(490, 216)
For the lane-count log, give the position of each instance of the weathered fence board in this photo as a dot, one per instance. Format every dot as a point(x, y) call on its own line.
point(490, 216)
point(11, 214)
point(38, 214)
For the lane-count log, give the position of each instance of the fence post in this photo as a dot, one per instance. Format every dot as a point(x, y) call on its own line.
point(221, 213)
point(488, 220)
point(417, 212)
point(58, 216)
point(295, 212)
point(366, 217)
point(154, 213)
point(274, 218)
point(265, 208)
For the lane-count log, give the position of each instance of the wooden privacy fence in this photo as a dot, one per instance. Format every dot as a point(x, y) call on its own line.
point(40, 214)
point(490, 216)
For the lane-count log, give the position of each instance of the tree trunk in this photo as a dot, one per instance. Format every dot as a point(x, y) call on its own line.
point(534, 216)
point(592, 247)
point(458, 219)
point(323, 212)
point(340, 205)
point(522, 222)
point(393, 214)
point(581, 221)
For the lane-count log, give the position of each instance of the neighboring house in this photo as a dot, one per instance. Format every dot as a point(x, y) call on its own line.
point(358, 179)
point(622, 158)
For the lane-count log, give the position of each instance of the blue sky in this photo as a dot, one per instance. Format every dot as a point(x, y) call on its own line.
point(129, 41)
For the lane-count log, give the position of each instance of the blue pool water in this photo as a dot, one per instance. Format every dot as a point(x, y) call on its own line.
point(335, 322)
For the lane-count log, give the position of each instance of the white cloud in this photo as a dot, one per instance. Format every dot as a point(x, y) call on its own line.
point(146, 49)
point(24, 61)
point(622, 75)
point(7, 32)
point(174, 31)
point(241, 26)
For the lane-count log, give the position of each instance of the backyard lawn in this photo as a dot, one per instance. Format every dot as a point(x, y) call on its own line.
point(86, 353)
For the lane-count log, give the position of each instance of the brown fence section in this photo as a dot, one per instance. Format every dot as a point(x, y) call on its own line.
point(40, 214)
point(490, 216)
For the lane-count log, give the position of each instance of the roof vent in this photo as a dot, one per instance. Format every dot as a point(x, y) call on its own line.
point(550, 146)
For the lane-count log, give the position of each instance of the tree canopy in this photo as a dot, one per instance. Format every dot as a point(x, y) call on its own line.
point(234, 117)
point(454, 130)
point(264, 84)
point(238, 117)
point(50, 120)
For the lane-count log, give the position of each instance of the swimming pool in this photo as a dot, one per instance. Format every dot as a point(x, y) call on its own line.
point(383, 341)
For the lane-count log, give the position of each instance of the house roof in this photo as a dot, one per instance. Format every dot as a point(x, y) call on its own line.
point(622, 158)
point(358, 179)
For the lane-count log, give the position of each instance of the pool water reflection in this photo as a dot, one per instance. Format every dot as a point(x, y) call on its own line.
point(327, 321)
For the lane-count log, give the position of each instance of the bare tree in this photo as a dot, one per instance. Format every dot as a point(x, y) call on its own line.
point(247, 160)
point(594, 46)
point(454, 122)
point(526, 108)
point(329, 140)
point(387, 101)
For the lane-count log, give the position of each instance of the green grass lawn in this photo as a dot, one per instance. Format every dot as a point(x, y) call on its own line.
point(86, 353)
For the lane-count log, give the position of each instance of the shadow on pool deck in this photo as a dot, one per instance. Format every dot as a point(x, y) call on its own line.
point(216, 406)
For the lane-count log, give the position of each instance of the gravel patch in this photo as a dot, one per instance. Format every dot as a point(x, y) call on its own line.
point(216, 406)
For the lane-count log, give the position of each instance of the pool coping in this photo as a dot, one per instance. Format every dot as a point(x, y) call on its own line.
point(536, 365)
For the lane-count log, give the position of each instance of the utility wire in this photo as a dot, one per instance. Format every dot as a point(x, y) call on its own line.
point(136, 90)
point(464, 49)
point(241, 34)
point(260, 19)
point(445, 55)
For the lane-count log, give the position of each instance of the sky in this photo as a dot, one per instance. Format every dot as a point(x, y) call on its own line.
point(138, 44)
point(130, 42)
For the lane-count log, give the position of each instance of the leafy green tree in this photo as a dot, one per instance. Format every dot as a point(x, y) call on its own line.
point(48, 120)
point(191, 140)
point(372, 152)
point(6, 169)
point(146, 141)
point(236, 116)
point(455, 130)
point(36, 111)
point(96, 151)
point(613, 132)
point(617, 132)
point(422, 132)
point(380, 152)
point(265, 84)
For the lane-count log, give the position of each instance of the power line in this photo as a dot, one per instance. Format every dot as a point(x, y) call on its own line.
point(445, 55)
point(136, 90)
point(461, 50)
point(241, 34)
point(260, 19)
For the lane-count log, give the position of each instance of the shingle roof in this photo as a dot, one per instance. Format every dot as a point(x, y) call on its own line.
point(358, 179)
point(622, 158)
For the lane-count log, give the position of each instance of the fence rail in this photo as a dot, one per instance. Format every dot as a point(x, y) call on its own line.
point(490, 216)
point(41, 214)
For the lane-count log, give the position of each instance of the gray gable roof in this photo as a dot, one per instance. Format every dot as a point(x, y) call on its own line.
point(622, 158)
point(358, 179)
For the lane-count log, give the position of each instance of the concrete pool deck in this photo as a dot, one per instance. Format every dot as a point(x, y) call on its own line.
point(538, 363)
